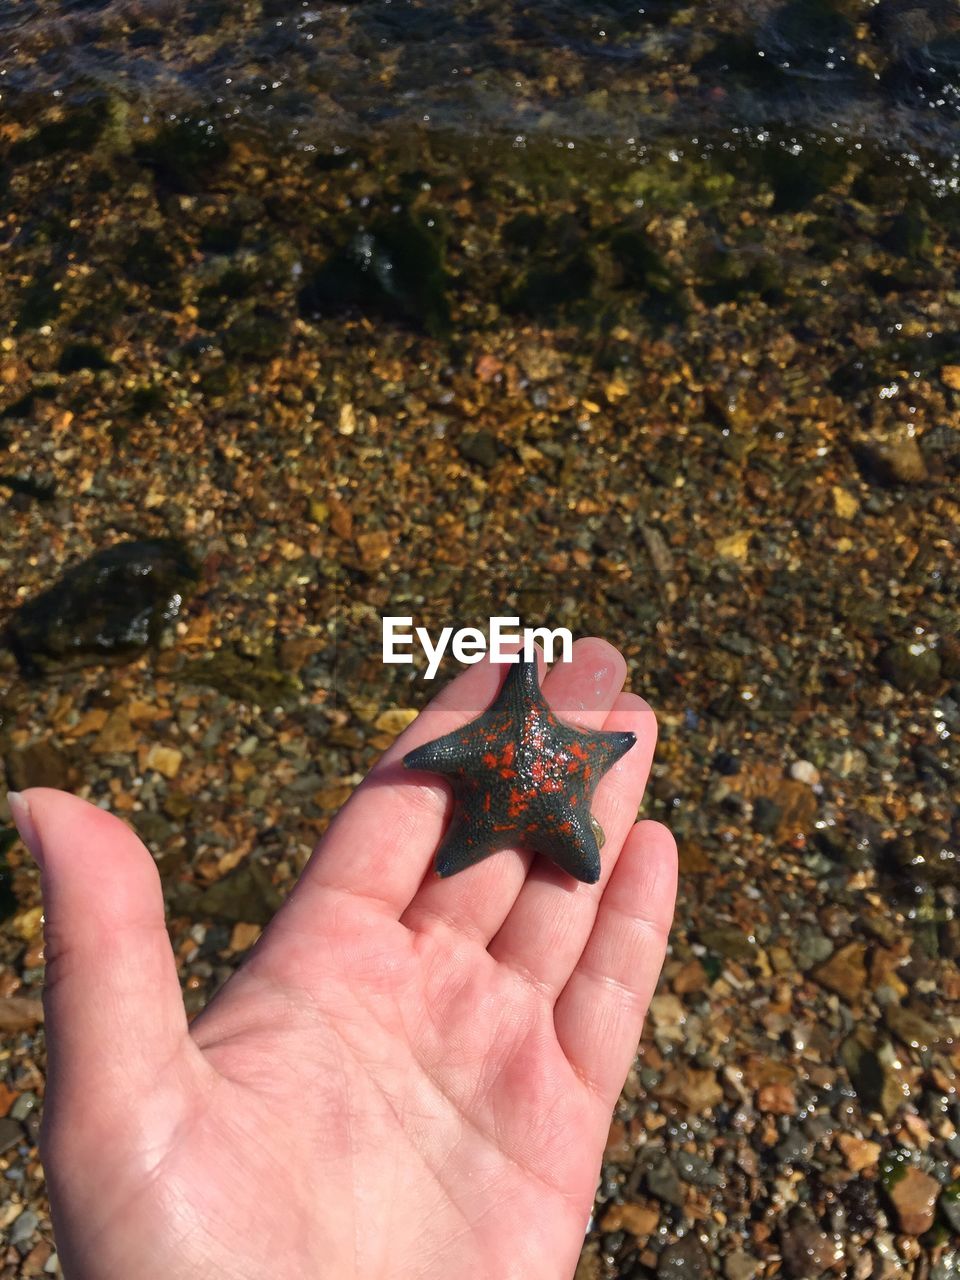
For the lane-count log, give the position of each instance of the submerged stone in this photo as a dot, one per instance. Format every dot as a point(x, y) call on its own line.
point(111, 606)
point(185, 154)
point(395, 268)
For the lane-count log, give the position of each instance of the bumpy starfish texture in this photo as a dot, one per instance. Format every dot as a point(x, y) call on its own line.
point(521, 777)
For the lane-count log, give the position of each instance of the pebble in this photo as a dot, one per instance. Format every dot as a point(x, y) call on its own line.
point(913, 1195)
point(805, 772)
point(24, 1227)
point(685, 1258)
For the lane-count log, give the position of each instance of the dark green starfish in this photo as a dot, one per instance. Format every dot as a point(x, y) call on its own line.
point(521, 777)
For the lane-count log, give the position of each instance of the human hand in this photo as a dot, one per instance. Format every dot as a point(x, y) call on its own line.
point(408, 1076)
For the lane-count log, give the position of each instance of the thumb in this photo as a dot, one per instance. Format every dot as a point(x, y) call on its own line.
point(113, 1008)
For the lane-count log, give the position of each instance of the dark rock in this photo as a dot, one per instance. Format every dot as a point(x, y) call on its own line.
point(663, 1182)
point(111, 606)
point(730, 942)
point(185, 155)
point(256, 335)
point(807, 1250)
point(10, 1134)
point(396, 269)
point(876, 1083)
point(257, 681)
point(766, 815)
point(686, 1257)
point(39, 764)
point(77, 130)
point(479, 447)
point(726, 764)
point(245, 896)
point(83, 355)
point(911, 666)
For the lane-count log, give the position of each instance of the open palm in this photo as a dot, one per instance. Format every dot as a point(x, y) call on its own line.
point(409, 1077)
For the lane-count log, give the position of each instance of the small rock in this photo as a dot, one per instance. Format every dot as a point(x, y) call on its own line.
point(698, 1091)
point(778, 1099)
point(395, 719)
point(662, 1181)
point(950, 1205)
point(479, 447)
point(867, 1060)
point(24, 1227)
point(735, 546)
point(165, 760)
point(845, 504)
point(913, 1195)
point(894, 461)
point(740, 1266)
point(766, 815)
point(39, 764)
point(667, 1013)
point(685, 1258)
point(950, 376)
point(347, 423)
point(910, 1028)
point(845, 972)
point(911, 666)
point(807, 1249)
point(731, 943)
point(639, 1219)
point(19, 1013)
point(858, 1153)
point(805, 772)
point(11, 1135)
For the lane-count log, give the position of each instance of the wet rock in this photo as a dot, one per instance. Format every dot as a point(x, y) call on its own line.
point(740, 1265)
point(254, 680)
point(732, 943)
point(767, 815)
point(83, 355)
point(685, 1258)
point(39, 764)
point(808, 1251)
point(924, 859)
point(256, 335)
point(396, 268)
point(950, 1205)
point(867, 1060)
point(639, 1219)
point(77, 129)
point(662, 1181)
point(479, 447)
point(24, 1227)
point(858, 1153)
point(111, 606)
point(810, 947)
point(693, 1168)
point(845, 972)
point(894, 461)
point(911, 1028)
point(806, 772)
point(552, 284)
point(245, 895)
point(11, 1135)
point(912, 1195)
point(184, 154)
point(19, 1013)
point(911, 666)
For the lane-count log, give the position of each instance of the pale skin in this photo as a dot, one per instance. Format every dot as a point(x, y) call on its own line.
point(409, 1078)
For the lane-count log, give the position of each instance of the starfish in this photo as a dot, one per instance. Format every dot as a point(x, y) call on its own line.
point(521, 777)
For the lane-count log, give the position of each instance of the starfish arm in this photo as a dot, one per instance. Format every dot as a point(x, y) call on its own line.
point(574, 851)
point(464, 844)
point(450, 754)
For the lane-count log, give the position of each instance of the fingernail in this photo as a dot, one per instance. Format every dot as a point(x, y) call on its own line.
point(20, 811)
